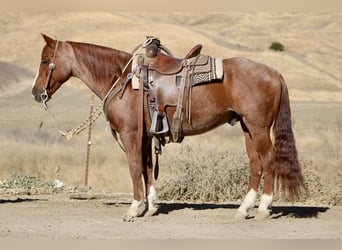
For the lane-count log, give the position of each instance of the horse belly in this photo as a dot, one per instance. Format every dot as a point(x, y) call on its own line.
point(209, 109)
point(203, 124)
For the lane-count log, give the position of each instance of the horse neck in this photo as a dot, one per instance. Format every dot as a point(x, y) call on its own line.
point(98, 67)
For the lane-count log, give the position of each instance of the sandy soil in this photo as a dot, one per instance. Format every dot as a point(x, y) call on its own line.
point(65, 216)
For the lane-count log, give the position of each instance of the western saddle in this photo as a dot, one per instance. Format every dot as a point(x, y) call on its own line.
point(167, 82)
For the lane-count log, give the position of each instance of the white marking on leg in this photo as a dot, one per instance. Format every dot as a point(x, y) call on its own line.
point(265, 203)
point(136, 208)
point(152, 197)
point(247, 203)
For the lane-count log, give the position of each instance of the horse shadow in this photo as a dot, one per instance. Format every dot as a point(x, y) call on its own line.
point(297, 211)
point(20, 200)
point(166, 208)
point(276, 211)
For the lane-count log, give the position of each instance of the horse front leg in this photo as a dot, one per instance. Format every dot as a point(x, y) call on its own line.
point(137, 207)
point(151, 192)
point(133, 148)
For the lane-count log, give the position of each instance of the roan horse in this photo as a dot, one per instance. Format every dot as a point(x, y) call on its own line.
point(251, 93)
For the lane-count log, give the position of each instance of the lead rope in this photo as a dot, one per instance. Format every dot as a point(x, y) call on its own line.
point(86, 123)
point(97, 112)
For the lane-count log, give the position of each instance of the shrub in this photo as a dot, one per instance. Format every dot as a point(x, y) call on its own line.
point(276, 46)
point(197, 174)
point(25, 182)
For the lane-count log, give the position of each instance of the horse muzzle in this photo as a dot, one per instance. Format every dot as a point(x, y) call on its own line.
point(40, 96)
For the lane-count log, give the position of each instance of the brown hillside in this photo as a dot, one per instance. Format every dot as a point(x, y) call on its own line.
point(310, 63)
point(14, 79)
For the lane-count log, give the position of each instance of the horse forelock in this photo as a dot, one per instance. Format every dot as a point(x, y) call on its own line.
point(102, 62)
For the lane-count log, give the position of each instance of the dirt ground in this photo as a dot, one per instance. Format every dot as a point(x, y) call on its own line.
point(74, 216)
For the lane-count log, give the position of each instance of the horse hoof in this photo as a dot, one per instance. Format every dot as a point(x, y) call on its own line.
point(262, 215)
point(152, 211)
point(128, 218)
point(240, 216)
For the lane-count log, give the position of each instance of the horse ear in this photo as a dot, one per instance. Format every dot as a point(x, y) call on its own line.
point(49, 41)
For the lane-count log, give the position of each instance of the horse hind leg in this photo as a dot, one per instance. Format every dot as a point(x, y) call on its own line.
point(264, 147)
point(254, 179)
point(259, 149)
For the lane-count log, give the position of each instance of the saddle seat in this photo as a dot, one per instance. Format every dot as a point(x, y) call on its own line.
point(167, 65)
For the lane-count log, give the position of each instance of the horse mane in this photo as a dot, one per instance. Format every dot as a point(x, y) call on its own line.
point(102, 62)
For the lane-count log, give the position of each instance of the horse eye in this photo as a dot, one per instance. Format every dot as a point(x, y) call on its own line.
point(45, 61)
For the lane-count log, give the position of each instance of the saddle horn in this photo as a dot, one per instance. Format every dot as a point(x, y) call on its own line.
point(162, 47)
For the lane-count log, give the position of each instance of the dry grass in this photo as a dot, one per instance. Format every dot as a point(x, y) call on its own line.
point(47, 160)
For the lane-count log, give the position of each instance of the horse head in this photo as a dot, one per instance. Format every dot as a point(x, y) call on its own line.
point(53, 71)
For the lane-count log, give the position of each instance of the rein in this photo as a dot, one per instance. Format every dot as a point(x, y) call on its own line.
point(97, 111)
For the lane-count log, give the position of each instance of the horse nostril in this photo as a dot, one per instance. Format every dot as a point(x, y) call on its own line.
point(44, 96)
point(37, 95)
point(37, 98)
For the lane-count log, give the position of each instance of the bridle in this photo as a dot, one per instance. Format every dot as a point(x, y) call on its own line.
point(44, 95)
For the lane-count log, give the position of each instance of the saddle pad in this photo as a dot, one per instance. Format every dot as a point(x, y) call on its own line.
point(212, 71)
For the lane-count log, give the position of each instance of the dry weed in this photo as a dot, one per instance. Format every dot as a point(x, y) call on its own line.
point(197, 174)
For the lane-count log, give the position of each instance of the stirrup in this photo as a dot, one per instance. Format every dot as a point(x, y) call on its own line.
point(165, 125)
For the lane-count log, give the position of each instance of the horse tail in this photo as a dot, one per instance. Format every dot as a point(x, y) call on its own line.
point(288, 175)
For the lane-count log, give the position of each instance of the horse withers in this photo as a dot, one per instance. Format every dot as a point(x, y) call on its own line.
point(250, 92)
